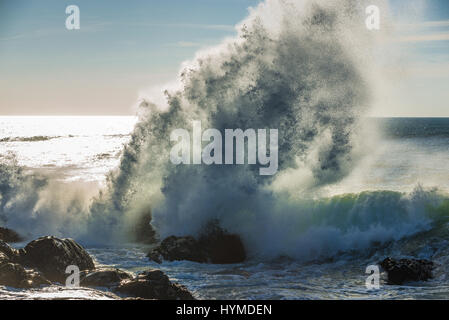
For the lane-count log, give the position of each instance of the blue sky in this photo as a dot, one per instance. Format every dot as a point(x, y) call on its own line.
point(124, 47)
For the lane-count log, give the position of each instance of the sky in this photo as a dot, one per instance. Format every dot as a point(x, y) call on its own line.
point(125, 47)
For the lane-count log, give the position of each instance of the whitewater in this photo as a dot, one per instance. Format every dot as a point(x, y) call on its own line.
point(350, 190)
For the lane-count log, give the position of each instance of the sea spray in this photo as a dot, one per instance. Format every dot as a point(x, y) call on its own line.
point(294, 66)
point(33, 204)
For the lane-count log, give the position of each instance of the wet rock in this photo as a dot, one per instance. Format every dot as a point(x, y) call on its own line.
point(153, 284)
point(47, 258)
point(178, 248)
point(3, 258)
point(10, 252)
point(52, 256)
point(14, 275)
point(216, 246)
point(143, 232)
point(405, 270)
point(222, 247)
point(106, 278)
point(36, 279)
point(9, 235)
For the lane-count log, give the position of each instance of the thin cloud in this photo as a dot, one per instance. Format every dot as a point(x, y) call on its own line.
point(221, 27)
point(424, 31)
point(188, 44)
point(443, 36)
point(19, 36)
point(425, 24)
point(39, 33)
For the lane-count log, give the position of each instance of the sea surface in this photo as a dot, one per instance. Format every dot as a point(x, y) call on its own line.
point(393, 203)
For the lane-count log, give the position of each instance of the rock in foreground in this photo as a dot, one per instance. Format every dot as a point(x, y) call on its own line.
point(52, 256)
point(9, 235)
point(106, 278)
point(9, 252)
point(153, 284)
point(217, 246)
point(48, 258)
point(405, 270)
point(15, 275)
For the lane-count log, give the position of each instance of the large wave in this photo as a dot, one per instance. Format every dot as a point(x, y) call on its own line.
point(293, 67)
point(301, 67)
point(298, 66)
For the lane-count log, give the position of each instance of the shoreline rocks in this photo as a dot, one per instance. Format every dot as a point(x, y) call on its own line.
point(43, 262)
point(52, 256)
point(13, 274)
point(11, 253)
point(406, 270)
point(153, 284)
point(149, 284)
point(216, 246)
point(105, 278)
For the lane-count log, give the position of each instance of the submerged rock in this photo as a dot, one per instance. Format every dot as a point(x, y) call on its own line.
point(153, 284)
point(405, 270)
point(216, 246)
point(52, 256)
point(105, 278)
point(9, 235)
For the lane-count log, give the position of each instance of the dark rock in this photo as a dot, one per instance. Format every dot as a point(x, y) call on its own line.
point(153, 284)
point(10, 252)
point(106, 278)
point(215, 246)
point(36, 279)
point(178, 248)
point(52, 256)
point(3, 258)
point(14, 275)
point(405, 270)
point(143, 232)
point(9, 235)
point(222, 247)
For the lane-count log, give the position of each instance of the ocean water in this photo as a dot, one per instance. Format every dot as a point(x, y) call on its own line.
point(79, 148)
point(398, 207)
point(349, 190)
